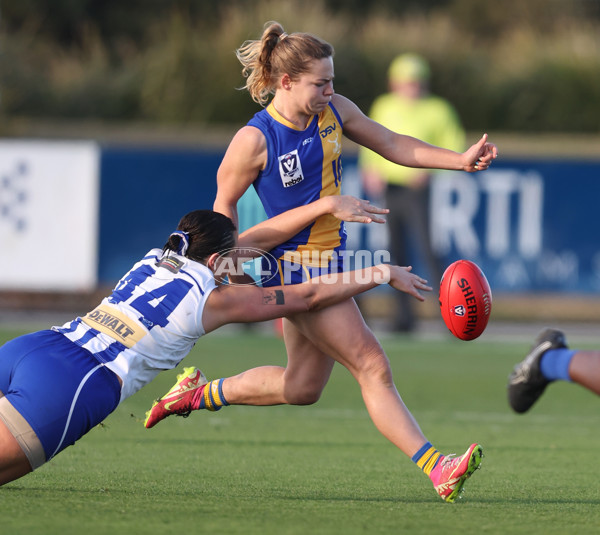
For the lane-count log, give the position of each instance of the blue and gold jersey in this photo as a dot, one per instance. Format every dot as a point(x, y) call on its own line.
point(303, 165)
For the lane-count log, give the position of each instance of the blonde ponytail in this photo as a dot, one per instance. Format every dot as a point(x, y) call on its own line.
point(276, 53)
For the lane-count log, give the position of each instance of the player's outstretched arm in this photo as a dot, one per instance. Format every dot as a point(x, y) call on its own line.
point(243, 304)
point(409, 151)
point(278, 229)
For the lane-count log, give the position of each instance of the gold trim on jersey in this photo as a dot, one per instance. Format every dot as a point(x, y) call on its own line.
point(325, 231)
point(111, 321)
point(272, 111)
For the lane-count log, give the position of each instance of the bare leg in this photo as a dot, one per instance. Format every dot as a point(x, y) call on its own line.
point(13, 461)
point(313, 340)
point(341, 332)
point(584, 369)
point(300, 383)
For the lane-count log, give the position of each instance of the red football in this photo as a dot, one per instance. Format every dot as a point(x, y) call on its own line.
point(465, 299)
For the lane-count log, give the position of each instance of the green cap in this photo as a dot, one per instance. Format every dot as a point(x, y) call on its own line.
point(408, 67)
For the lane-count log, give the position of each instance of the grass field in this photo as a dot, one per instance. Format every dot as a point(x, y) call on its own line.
point(324, 469)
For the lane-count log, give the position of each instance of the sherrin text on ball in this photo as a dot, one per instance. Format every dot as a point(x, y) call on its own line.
point(465, 299)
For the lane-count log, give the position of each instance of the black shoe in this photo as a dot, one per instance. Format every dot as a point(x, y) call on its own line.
point(526, 382)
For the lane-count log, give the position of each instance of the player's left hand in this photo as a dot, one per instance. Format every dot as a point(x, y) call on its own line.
point(479, 156)
point(403, 280)
point(353, 209)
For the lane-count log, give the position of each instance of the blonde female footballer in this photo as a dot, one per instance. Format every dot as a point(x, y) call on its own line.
point(291, 153)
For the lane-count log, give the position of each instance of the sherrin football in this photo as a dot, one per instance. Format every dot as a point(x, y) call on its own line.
point(465, 299)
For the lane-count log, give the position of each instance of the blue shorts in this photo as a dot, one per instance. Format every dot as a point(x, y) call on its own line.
point(57, 388)
point(279, 272)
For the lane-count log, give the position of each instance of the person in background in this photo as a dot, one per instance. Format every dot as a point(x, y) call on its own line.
point(549, 360)
point(409, 108)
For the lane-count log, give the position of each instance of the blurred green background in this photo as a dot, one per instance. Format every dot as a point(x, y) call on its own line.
point(509, 66)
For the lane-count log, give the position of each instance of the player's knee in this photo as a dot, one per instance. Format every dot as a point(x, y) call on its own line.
point(304, 395)
point(374, 366)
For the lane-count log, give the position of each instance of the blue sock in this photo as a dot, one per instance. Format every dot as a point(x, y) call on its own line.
point(555, 364)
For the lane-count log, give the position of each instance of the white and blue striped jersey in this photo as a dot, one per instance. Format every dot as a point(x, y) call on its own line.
point(151, 320)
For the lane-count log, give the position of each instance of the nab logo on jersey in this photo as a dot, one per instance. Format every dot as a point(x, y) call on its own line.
point(290, 169)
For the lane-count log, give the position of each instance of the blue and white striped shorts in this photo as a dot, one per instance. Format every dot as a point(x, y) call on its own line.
point(52, 392)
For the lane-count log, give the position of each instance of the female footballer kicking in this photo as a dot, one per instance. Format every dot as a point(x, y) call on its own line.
point(291, 153)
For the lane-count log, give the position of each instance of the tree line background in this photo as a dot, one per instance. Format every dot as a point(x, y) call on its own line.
point(509, 65)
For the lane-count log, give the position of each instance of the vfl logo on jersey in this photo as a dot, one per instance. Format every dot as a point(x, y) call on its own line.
point(290, 169)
